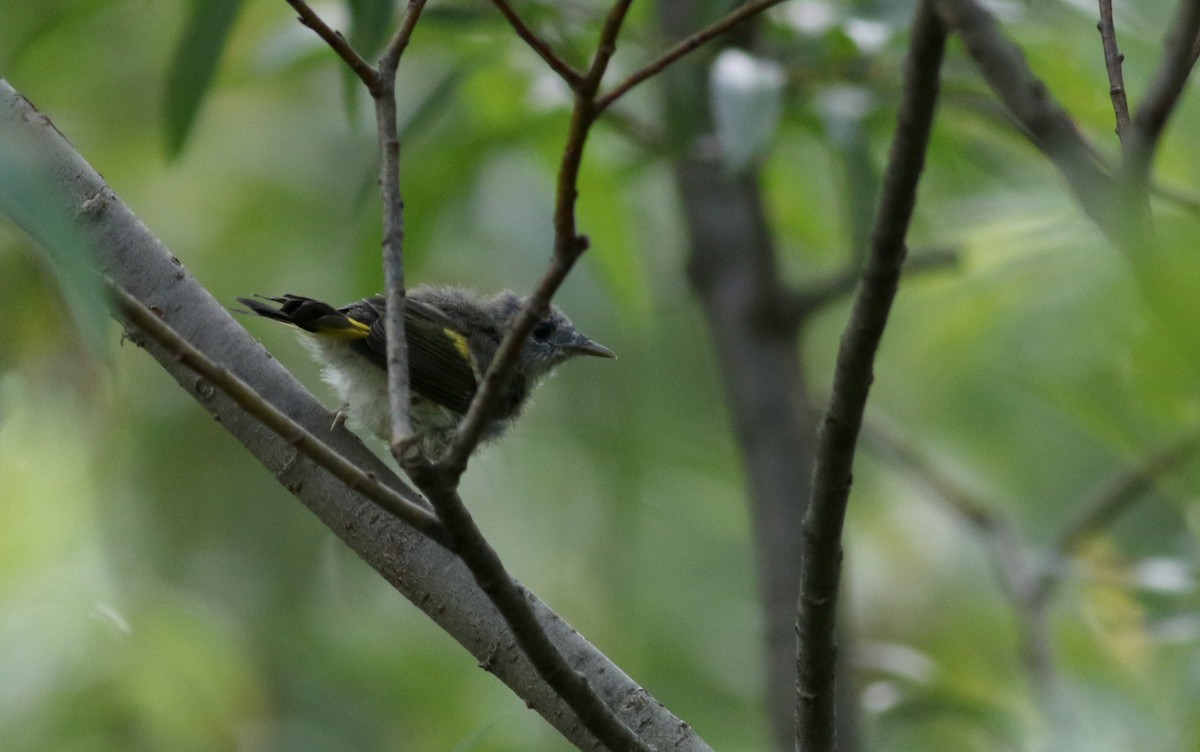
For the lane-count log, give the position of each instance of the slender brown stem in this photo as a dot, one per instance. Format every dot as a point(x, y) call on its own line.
point(688, 45)
point(539, 45)
point(606, 47)
point(853, 375)
point(381, 82)
point(384, 92)
point(1112, 63)
point(399, 41)
point(336, 41)
point(399, 397)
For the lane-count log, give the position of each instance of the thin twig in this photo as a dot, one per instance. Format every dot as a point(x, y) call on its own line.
point(335, 40)
point(822, 556)
point(1117, 494)
point(399, 393)
point(688, 45)
point(1164, 91)
point(470, 430)
point(381, 82)
point(564, 69)
point(1112, 63)
point(273, 418)
point(399, 41)
point(606, 47)
point(384, 93)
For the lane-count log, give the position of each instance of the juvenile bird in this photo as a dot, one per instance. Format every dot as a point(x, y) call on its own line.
point(452, 336)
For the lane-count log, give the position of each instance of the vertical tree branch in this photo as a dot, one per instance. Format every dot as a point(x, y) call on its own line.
point(384, 93)
point(821, 564)
point(393, 259)
point(733, 271)
point(1112, 63)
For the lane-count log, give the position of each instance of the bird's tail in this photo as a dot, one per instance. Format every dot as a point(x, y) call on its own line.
point(309, 315)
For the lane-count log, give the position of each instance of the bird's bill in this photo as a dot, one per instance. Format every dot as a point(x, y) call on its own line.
point(585, 346)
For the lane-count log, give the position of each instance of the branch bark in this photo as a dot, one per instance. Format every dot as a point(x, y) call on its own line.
point(1113, 60)
point(429, 576)
point(384, 93)
point(821, 564)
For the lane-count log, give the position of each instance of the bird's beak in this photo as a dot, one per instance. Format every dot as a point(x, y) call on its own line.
point(584, 346)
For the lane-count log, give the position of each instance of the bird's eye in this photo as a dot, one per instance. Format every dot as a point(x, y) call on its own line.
point(543, 330)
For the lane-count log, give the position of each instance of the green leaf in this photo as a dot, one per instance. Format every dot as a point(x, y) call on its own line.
point(193, 67)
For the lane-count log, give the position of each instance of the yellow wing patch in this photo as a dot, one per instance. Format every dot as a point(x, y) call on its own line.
point(349, 328)
point(460, 344)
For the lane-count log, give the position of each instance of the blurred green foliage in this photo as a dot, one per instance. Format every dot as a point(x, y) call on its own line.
point(159, 591)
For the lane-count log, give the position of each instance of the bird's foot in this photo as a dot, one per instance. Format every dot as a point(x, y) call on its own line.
point(339, 417)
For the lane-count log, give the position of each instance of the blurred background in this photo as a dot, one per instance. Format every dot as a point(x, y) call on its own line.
point(158, 590)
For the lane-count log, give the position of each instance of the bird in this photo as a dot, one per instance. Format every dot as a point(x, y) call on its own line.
point(452, 335)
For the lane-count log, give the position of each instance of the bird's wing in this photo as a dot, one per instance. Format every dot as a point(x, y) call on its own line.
point(440, 365)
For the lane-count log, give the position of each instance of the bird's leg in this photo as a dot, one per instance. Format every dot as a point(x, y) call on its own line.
point(339, 417)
